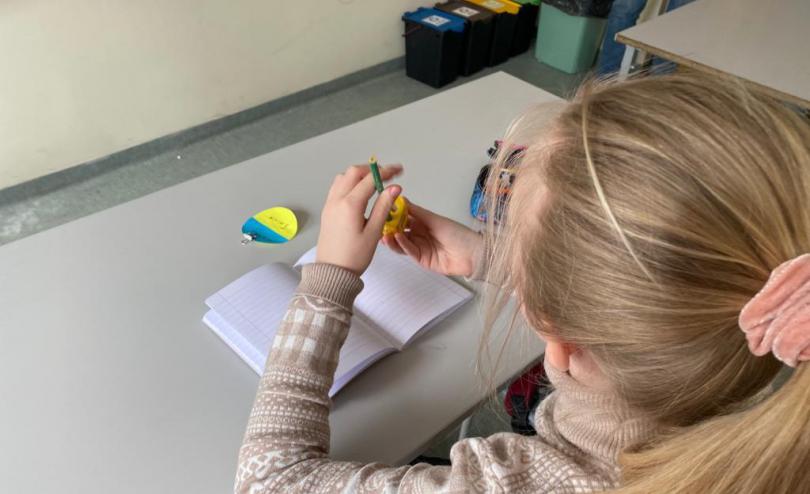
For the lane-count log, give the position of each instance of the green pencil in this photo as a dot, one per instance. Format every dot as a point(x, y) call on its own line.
point(375, 173)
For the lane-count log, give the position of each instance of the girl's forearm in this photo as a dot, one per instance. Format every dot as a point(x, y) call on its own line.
point(288, 430)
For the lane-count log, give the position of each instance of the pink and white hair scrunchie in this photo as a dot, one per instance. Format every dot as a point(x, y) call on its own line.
point(777, 319)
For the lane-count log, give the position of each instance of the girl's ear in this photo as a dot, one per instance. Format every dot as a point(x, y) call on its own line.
point(558, 353)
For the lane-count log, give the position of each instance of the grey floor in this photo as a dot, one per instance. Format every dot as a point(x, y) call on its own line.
point(51, 201)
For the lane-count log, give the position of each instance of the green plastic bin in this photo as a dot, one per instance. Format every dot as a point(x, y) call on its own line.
point(568, 42)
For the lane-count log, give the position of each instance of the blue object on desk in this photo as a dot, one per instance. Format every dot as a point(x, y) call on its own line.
point(478, 206)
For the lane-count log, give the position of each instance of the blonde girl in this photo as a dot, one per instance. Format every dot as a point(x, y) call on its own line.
point(657, 239)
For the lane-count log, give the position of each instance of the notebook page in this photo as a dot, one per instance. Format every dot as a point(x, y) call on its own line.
point(246, 315)
point(254, 305)
point(254, 358)
point(362, 348)
point(400, 297)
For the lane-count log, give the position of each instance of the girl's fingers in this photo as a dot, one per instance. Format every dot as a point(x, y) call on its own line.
point(392, 244)
point(364, 188)
point(337, 184)
point(421, 214)
point(345, 182)
point(381, 209)
point(407, 245)
point(417, 210)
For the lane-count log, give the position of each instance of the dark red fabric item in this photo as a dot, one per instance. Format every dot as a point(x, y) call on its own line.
point(523, 395)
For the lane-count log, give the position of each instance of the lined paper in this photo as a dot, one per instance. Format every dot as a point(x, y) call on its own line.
point(246, 314)
point(402, 298)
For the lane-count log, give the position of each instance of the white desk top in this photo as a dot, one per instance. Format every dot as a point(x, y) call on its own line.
point(764, 43)
point(109, 380)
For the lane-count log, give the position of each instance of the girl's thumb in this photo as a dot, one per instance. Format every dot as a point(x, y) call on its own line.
point(382, 207)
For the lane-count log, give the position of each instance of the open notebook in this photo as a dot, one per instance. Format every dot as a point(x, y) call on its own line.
point(399, 301)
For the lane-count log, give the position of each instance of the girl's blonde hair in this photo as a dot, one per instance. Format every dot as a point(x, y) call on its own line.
point(642, 219)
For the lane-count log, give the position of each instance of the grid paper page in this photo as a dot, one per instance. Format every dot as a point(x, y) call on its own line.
point(402, 298)
point(252, 308)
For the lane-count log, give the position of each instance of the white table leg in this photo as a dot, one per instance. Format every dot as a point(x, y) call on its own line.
point(627, 62)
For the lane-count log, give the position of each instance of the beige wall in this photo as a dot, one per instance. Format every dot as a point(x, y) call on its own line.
point(81, 79)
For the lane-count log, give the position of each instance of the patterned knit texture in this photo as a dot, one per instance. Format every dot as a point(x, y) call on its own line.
point(286, 445)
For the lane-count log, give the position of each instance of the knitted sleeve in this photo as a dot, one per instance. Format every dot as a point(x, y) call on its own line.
point(481, 260)
point(286, 445)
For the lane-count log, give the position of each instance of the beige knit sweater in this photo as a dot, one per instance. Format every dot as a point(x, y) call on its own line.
point(286, 447)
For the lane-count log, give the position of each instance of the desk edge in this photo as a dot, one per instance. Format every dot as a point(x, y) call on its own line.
point(679, 59)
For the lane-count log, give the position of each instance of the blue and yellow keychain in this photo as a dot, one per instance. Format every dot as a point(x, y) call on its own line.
point(271, 226)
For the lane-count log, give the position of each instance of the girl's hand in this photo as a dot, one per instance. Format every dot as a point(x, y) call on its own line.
point(437, 243)
point(347, 239)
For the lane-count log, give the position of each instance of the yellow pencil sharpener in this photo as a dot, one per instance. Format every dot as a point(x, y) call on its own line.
point(398, 217)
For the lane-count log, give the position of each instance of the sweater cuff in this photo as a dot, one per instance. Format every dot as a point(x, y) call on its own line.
point(329, 282)
point(480, 261)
